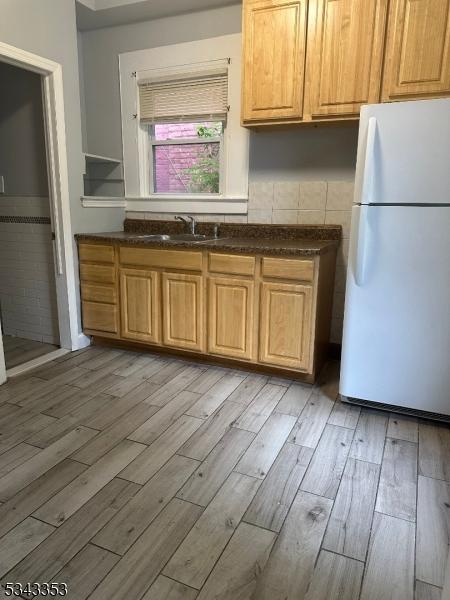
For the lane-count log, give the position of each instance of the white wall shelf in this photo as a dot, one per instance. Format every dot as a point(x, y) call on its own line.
point(97, 158)
point(103, 176)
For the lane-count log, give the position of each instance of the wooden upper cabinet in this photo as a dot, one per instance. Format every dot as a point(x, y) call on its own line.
point(344, 58)
point(417, 59)
point(357, 52)
point(140, 305)
point(183, 318)
point(274, 38)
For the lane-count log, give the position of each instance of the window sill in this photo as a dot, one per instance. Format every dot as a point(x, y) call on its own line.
point(103, 202)
point(191, 203)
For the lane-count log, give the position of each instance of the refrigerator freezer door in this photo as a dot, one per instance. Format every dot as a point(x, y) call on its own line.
point(396, 343)
point(408, 153)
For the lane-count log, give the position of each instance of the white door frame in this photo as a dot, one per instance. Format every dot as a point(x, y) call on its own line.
point(2, 359)
point(55, 127)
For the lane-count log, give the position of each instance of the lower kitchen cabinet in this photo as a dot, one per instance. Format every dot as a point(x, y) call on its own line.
point(98, 279)
point(230, 317)
point(285, 325)
point(265, 311)
point(183, 311)
point(140, 305)
point(100, 317)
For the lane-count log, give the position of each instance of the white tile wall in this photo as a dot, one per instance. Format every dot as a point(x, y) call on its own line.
point(27, 278)
point(303, 202)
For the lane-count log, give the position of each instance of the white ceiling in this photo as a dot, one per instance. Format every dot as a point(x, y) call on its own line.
point(94, 14)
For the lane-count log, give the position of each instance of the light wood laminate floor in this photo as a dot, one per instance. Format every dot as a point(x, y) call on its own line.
point(19, 350)
point(137, 476)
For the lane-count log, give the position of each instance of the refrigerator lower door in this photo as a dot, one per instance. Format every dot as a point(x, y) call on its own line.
point(396, 341)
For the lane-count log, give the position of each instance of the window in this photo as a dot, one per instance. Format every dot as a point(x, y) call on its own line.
point(185, 158)
point(185, 154)
point(184, 148)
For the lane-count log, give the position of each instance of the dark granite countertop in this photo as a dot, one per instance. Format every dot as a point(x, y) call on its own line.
point(277, 240)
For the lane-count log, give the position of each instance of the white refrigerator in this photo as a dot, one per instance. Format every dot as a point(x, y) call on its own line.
point(396, 339)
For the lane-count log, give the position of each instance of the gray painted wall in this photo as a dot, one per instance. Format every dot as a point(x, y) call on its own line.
point(325, 152)
point(102, 47)
point(22, 137)
point(48, 28)
point(309, 153)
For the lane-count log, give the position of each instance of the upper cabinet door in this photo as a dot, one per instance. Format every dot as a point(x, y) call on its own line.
point(345, 51)
point(274, 36)
point(417, 63)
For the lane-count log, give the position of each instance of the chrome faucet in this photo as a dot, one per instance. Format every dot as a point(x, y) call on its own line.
point(189, 221)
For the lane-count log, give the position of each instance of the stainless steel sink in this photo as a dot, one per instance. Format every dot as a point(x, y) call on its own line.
point(189, 237)
point(176, 237)
point(157, 237)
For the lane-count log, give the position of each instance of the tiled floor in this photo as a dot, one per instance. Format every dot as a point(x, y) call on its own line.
point(19, 350)
point(132, 476)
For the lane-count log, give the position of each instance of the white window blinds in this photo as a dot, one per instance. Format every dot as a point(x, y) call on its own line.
point(184, 97)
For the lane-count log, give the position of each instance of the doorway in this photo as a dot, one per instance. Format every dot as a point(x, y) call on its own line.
point(67, 333)
point(28, 300)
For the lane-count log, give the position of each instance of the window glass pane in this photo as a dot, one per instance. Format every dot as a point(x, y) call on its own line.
point(184, 168)
point(175, 131)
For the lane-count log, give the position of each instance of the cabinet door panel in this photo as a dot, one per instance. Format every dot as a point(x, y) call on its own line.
point(345, 45)
point(140, 305)
point(183, 311)
point(417, 63)
point(230, 309)
point(274, 57)
point(285, 327)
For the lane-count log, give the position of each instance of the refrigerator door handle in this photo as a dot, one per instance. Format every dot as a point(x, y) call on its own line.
point(369, 163)
point(359, 249)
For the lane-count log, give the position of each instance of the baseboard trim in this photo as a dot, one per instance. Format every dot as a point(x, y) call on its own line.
point(82, 342)
point(36, 362)
point(207, 359)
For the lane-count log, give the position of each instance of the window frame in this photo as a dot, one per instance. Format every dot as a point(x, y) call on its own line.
point(136, 66)
point(150, 154)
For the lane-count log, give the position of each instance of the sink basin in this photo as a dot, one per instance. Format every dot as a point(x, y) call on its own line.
point(176, 237)
point(188, 237)
point(158, 237)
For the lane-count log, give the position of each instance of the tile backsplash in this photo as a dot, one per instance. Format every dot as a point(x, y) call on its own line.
point(291, 202)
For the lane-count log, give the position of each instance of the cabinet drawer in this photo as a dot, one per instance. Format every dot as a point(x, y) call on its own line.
point(98, 293)
point(288, 268)
point(96, 253)
point(97, 273)
point(170, 259)
point(100, 317)
point(232, 263)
